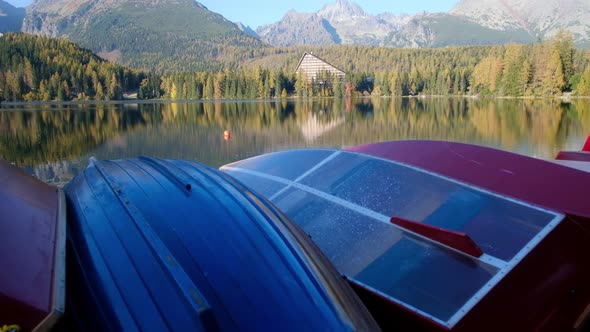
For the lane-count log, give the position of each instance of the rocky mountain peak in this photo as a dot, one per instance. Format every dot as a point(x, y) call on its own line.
point(138, 32)
point(247, 29)
point(293, 15)
point(470, 22)
point(540, 18)
point(299, 29)
point(341, 10)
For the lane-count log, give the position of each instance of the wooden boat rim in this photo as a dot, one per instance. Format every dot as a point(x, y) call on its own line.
point(58, 289)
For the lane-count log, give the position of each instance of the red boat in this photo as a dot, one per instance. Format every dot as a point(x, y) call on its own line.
point(32, 243)
point(441, 236)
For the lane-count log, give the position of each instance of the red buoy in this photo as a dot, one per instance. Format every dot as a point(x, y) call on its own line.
point(227, 135)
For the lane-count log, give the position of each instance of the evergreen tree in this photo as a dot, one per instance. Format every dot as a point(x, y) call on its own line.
point(218, 81)
point(554, 80)
point(99, 92)
point(29, 75)
point(564, 42)
point(301, 85)
point(114, 91)
point(583, 88)
point(209, 90)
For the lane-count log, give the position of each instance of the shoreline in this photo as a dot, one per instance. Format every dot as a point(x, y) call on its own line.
point(170, 101)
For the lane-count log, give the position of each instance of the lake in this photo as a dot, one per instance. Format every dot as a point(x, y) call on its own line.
point(55, 142)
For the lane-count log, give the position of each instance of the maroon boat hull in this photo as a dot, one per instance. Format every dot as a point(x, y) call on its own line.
point(32, 238)
point(510, 174)
point(574, 156)
point(548, 290)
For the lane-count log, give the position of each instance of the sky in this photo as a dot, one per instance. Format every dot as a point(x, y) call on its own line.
point(259, 12)
point(19, 3)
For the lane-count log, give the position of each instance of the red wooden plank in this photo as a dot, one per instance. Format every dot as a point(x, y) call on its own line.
point(573, 155)
point(456, 240)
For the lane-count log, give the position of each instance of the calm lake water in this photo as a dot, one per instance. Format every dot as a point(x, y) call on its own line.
point(55, 142)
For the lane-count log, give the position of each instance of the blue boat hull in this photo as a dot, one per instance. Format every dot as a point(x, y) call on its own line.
point(171, 245)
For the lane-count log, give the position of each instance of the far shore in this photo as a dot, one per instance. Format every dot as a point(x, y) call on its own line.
point(170, 101)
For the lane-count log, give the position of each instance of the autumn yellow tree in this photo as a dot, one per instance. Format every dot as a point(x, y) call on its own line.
point(486, 75)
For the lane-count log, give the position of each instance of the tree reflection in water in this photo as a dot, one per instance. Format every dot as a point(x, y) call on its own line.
point(55, 142)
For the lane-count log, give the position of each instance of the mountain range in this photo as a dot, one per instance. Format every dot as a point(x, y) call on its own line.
point(179, 35)
point(470, 22)
point(11, 18)
point(154, 34)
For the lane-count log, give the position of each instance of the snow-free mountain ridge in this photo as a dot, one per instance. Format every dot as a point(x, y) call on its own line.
point(540, 18)
point(161, 34)
point(185, 35)
point(470, 22)
point(11, 18)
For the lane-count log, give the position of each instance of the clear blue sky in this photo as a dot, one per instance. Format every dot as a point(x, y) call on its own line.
point(258, 12)
point(19, 3)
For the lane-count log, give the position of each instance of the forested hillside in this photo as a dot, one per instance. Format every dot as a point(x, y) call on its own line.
point(40, 68)
point(547, 69)
point(159, 35)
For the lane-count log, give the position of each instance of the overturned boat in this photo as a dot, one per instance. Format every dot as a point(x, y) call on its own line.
point(169, 245)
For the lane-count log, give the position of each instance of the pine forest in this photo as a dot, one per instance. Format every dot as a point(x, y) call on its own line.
point(44, 69)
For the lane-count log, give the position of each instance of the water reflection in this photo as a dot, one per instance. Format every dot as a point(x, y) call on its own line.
point(55, 142)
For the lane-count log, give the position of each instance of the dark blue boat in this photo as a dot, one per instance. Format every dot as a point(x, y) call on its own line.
point(172, 245)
